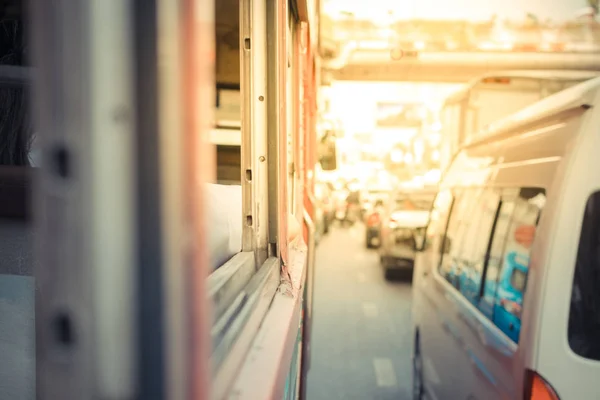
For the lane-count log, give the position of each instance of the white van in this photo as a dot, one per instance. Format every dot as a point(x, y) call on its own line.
point(496, 95)
point(507, 282)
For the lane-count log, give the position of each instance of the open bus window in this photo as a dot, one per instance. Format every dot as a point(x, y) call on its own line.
point(15, 124)
point(584, 315)
point(226, 133)
point(17, 298)
point(224, 199)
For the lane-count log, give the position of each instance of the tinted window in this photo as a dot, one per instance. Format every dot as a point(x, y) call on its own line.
point(475, 244)
point(495, 257)
point(506, 276)
point(470, 234)
point(584, 316)
point(437, 220)
point(517, 280)
point(458, 222)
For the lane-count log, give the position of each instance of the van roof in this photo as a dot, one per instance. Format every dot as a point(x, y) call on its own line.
point(576, 97)
point(559, 74)
point(546, 75)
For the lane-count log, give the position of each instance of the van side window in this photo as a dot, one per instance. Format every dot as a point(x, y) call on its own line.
point(503, 220)
point(475, 242)
point(464, 201)
point(584, 316)
point(506, 277)
point(470, 233)
point(438, 219)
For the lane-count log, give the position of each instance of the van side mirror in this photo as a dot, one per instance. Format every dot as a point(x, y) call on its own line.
point(328, 153)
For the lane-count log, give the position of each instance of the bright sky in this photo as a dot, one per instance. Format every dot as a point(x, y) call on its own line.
point(456, 9)
point(355, 103)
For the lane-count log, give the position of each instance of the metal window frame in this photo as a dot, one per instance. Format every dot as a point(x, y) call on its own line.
point(86, 292)
point(260, 306)
point(277, 40)
point(243, 288)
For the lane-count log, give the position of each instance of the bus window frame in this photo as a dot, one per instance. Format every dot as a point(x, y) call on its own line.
point(254, 150)
point(243, 288)
point(85, 222)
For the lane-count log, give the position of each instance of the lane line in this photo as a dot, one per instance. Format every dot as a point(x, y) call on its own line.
point(370, 310)
point(385, 375)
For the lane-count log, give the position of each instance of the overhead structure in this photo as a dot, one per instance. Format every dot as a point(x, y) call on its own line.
point(452, 67)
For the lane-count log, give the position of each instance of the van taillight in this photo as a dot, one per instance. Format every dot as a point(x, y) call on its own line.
point(536, 387)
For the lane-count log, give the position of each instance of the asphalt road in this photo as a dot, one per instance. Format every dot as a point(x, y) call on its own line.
point(362, 342)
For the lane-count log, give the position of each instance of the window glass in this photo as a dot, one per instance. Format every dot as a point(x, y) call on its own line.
point(495, 257)
point(470, 128)
point(584, 316)
point(464, 201)
point(518, 280)
point(437, 219)
point(468, 235)
point(475, 242)
point(511, 280)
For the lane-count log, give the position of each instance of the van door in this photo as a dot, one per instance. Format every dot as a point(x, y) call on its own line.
point(459, 280)
point(435, 312)
point(497, 318)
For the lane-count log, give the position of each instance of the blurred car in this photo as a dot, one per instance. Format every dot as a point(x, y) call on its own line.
point(407, 215)
point(339, 204)
point(373, 225)
point(319, 224)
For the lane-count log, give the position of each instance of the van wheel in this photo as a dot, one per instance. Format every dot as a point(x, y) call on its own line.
point(417, 381)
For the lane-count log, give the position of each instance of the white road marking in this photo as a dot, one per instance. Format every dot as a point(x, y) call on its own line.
point(384, 372)
point(370, 310)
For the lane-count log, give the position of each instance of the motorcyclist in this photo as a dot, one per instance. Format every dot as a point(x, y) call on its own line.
point(379, 205)
point(353, 197)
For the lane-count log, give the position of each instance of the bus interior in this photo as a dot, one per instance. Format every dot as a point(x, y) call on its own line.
point(226, 132)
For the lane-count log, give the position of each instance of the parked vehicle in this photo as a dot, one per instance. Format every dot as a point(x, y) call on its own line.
point(370, 197)
point(506, 285)
point(351, 207)
point(373, 225)
point(407, 211)
point(325, 204)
